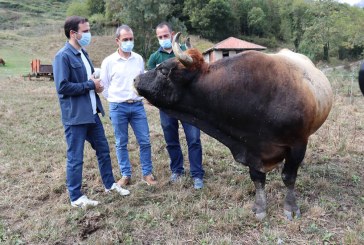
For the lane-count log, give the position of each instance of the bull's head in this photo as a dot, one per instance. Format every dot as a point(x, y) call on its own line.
point(164, 86)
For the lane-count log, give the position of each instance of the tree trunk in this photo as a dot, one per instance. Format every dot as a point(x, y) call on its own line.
point(326, 52)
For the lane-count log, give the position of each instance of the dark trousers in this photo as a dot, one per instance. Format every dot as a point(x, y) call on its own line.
point(170, 129)
point(76, 135)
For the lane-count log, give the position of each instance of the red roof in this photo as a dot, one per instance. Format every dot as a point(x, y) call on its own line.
point(236, 44)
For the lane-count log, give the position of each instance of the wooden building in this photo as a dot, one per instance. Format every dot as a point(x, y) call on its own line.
point(229, 47)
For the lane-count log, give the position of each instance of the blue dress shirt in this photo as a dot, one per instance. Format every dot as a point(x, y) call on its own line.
point(73, 86)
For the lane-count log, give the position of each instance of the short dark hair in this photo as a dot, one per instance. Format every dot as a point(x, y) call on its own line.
point(71, 24)
point(164, 23)
point(122, 27)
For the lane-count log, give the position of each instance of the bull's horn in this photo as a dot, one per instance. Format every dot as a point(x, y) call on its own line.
point(185, 59)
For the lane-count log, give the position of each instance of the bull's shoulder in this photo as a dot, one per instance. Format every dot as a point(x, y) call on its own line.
point(295, 57)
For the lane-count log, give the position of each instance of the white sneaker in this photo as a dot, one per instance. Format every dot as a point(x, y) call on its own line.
point(83, 201)
point(118, 188)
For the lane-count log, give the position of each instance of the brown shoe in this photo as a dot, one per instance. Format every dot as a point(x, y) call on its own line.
point(149, 180)
point(125, 180)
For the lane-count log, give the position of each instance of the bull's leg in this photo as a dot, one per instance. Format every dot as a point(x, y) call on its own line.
point(260, 204)
point(289, 175)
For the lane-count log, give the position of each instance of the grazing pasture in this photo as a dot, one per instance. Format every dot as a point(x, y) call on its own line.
point(34, 205)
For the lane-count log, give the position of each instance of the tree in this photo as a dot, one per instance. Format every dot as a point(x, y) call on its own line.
point(79, 8)
point(213, 20)
point(351, 45)
point(257, 21)
point(112, 9)
point(294, 16)
point(96, 6)
point(321, 32)
point(192, 8)
point(143, 16)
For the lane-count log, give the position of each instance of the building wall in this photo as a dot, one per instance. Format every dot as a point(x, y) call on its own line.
point(216, 55)
point(232, 53)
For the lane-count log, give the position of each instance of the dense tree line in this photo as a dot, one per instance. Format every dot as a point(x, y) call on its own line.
point(318, 28)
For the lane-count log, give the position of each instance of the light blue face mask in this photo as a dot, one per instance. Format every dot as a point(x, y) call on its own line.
point(85, 39)
point(165, 43)
point(127, 46)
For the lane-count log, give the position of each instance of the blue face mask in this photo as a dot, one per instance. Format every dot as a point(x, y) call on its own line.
point(165, 43)
point(127, 46)
point(85, 39)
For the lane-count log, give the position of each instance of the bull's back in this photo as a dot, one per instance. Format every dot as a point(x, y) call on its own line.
point(316, 82)
point(282, 92)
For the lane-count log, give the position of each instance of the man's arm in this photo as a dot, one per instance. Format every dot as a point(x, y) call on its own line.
point(61, 70)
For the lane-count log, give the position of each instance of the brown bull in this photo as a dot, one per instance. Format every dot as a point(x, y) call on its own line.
point(263, 107)
point(2, 61)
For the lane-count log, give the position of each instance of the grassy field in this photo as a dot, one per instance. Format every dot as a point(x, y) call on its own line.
point(34, 208)
point(34, 205)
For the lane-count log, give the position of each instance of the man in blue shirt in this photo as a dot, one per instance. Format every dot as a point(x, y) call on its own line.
point(80, 104)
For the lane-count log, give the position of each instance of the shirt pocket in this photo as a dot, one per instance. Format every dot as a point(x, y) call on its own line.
point(77, 72)
point(76, 65)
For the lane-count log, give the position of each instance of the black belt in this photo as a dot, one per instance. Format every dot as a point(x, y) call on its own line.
point(131, 101)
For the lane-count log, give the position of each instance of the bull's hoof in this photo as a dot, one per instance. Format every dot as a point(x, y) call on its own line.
point(290, 215)
point(261, 216)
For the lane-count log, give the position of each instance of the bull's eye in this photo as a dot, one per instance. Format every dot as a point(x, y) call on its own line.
point(164, 71)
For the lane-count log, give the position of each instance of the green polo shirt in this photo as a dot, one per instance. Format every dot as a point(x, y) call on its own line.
point(159, 56)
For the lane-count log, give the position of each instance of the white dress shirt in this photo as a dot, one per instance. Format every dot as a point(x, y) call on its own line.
point(91, 92)
point(117, 76)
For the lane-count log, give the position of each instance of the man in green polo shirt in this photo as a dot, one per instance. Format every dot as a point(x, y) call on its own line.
point(170, 125)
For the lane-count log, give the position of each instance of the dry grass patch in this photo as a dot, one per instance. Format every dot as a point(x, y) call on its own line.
point(34, 208)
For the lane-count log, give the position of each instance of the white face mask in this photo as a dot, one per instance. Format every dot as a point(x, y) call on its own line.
point(85, 39)
point(127, 46)
point(165, 43)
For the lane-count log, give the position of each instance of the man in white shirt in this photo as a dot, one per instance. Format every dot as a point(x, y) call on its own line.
point(118, 71)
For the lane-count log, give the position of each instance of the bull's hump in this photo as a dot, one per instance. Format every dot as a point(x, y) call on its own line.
point(316, 82)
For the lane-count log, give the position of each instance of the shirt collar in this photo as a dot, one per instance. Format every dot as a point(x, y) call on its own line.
point(163, 51)
point(74, 51)
point(116, 56)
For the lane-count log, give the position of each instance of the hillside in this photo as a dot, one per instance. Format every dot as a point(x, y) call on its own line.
point(34, 30)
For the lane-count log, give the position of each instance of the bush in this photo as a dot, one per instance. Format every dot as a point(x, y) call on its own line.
point(98, 23)
point(79, 8)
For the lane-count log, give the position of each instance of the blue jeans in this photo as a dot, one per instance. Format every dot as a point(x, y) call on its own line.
point(170, 130)
point(75, 136)
point(121, 114)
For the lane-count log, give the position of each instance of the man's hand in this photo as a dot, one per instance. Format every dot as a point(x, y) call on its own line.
point(98, 86)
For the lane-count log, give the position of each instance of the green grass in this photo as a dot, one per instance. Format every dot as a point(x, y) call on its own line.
point(17, 63)
point(35, 208)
